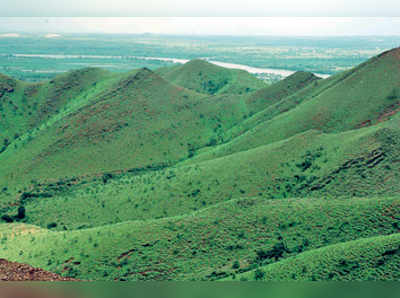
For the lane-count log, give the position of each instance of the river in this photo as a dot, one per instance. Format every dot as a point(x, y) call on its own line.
point(250, 69)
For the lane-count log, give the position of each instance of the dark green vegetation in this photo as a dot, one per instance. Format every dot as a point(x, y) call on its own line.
point(196, 172)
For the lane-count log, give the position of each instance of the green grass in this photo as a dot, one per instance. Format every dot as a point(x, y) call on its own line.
point(375, 258)
point(270, 95)
point(204, 77)
point(27, 106)
point(127, 125)
point(360, 97)
point(204, 244)
point(163, 175)
point(356, 163)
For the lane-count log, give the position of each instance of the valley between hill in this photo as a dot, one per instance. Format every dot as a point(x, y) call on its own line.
point(197, 172)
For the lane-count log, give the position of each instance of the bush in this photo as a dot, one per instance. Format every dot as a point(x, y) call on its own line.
point(107, 177)
point(236, 265)
point(276, 252)
point(52, 225)
point(259, 274)
point(21, 212)
point(7, 218)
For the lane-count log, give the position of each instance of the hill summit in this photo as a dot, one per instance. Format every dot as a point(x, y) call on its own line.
point(204, 77)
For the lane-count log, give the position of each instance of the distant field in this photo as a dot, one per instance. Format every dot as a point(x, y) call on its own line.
point(119, 52)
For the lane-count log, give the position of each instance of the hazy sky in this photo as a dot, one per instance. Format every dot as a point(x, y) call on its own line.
point(257, 17)
point(200, 8)
point(292, 26)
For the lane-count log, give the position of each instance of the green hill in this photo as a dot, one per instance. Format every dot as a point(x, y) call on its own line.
point(374, 258)
point(371, 89)
point(27, 107)
point(140, 120)
point(204, 77)
point(196, 172)
point(203, 245)
point(270, 95)
point(356, 163)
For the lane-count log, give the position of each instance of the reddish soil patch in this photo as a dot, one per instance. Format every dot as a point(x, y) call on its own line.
point(385, 115)
point(390, 111)
point(10, 271)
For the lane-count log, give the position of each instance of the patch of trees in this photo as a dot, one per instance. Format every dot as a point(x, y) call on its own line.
point(275, 253)
point(309, 159)
point(28, 195)
point(21, 215)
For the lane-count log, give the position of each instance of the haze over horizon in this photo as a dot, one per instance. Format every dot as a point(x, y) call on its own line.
point(272, 26)
point(224, 17)
point(175, 8)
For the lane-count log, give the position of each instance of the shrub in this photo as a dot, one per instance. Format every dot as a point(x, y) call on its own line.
point(52, 225)
point(276, 252)
point(259, 274)
point(107, 177)
point(7, 218)
point(236, 265)
point(21, 212)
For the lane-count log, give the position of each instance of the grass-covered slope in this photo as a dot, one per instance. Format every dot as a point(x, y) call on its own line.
point(59, 92)
point(25, 106)
point(355, 163)
point(363, 96)
point(204, 77)
point(140, 121)
point(270, 95)
point(292, 91)
point(136, 177)
point(15, 111)
point(375, 258)
point(209, 244)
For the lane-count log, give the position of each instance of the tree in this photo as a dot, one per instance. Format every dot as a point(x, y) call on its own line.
point(236, 265)
point(21, 212)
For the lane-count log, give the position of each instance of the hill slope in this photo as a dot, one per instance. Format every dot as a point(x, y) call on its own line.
point(375, 258)
point(372, 88)
point(134, 176)
point(270, 95)
point(26, 106)
point(204, 77)
point(140, 121)
point(357, 163)
point(10, 271)
point(201, 245)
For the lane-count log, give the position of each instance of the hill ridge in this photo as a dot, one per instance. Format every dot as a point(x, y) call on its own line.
point(204, 77)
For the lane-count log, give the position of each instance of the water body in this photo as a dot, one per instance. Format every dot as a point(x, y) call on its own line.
point(250, 69)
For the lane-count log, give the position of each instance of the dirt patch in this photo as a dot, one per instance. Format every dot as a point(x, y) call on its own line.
point(10, 271)
point(389, 111)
